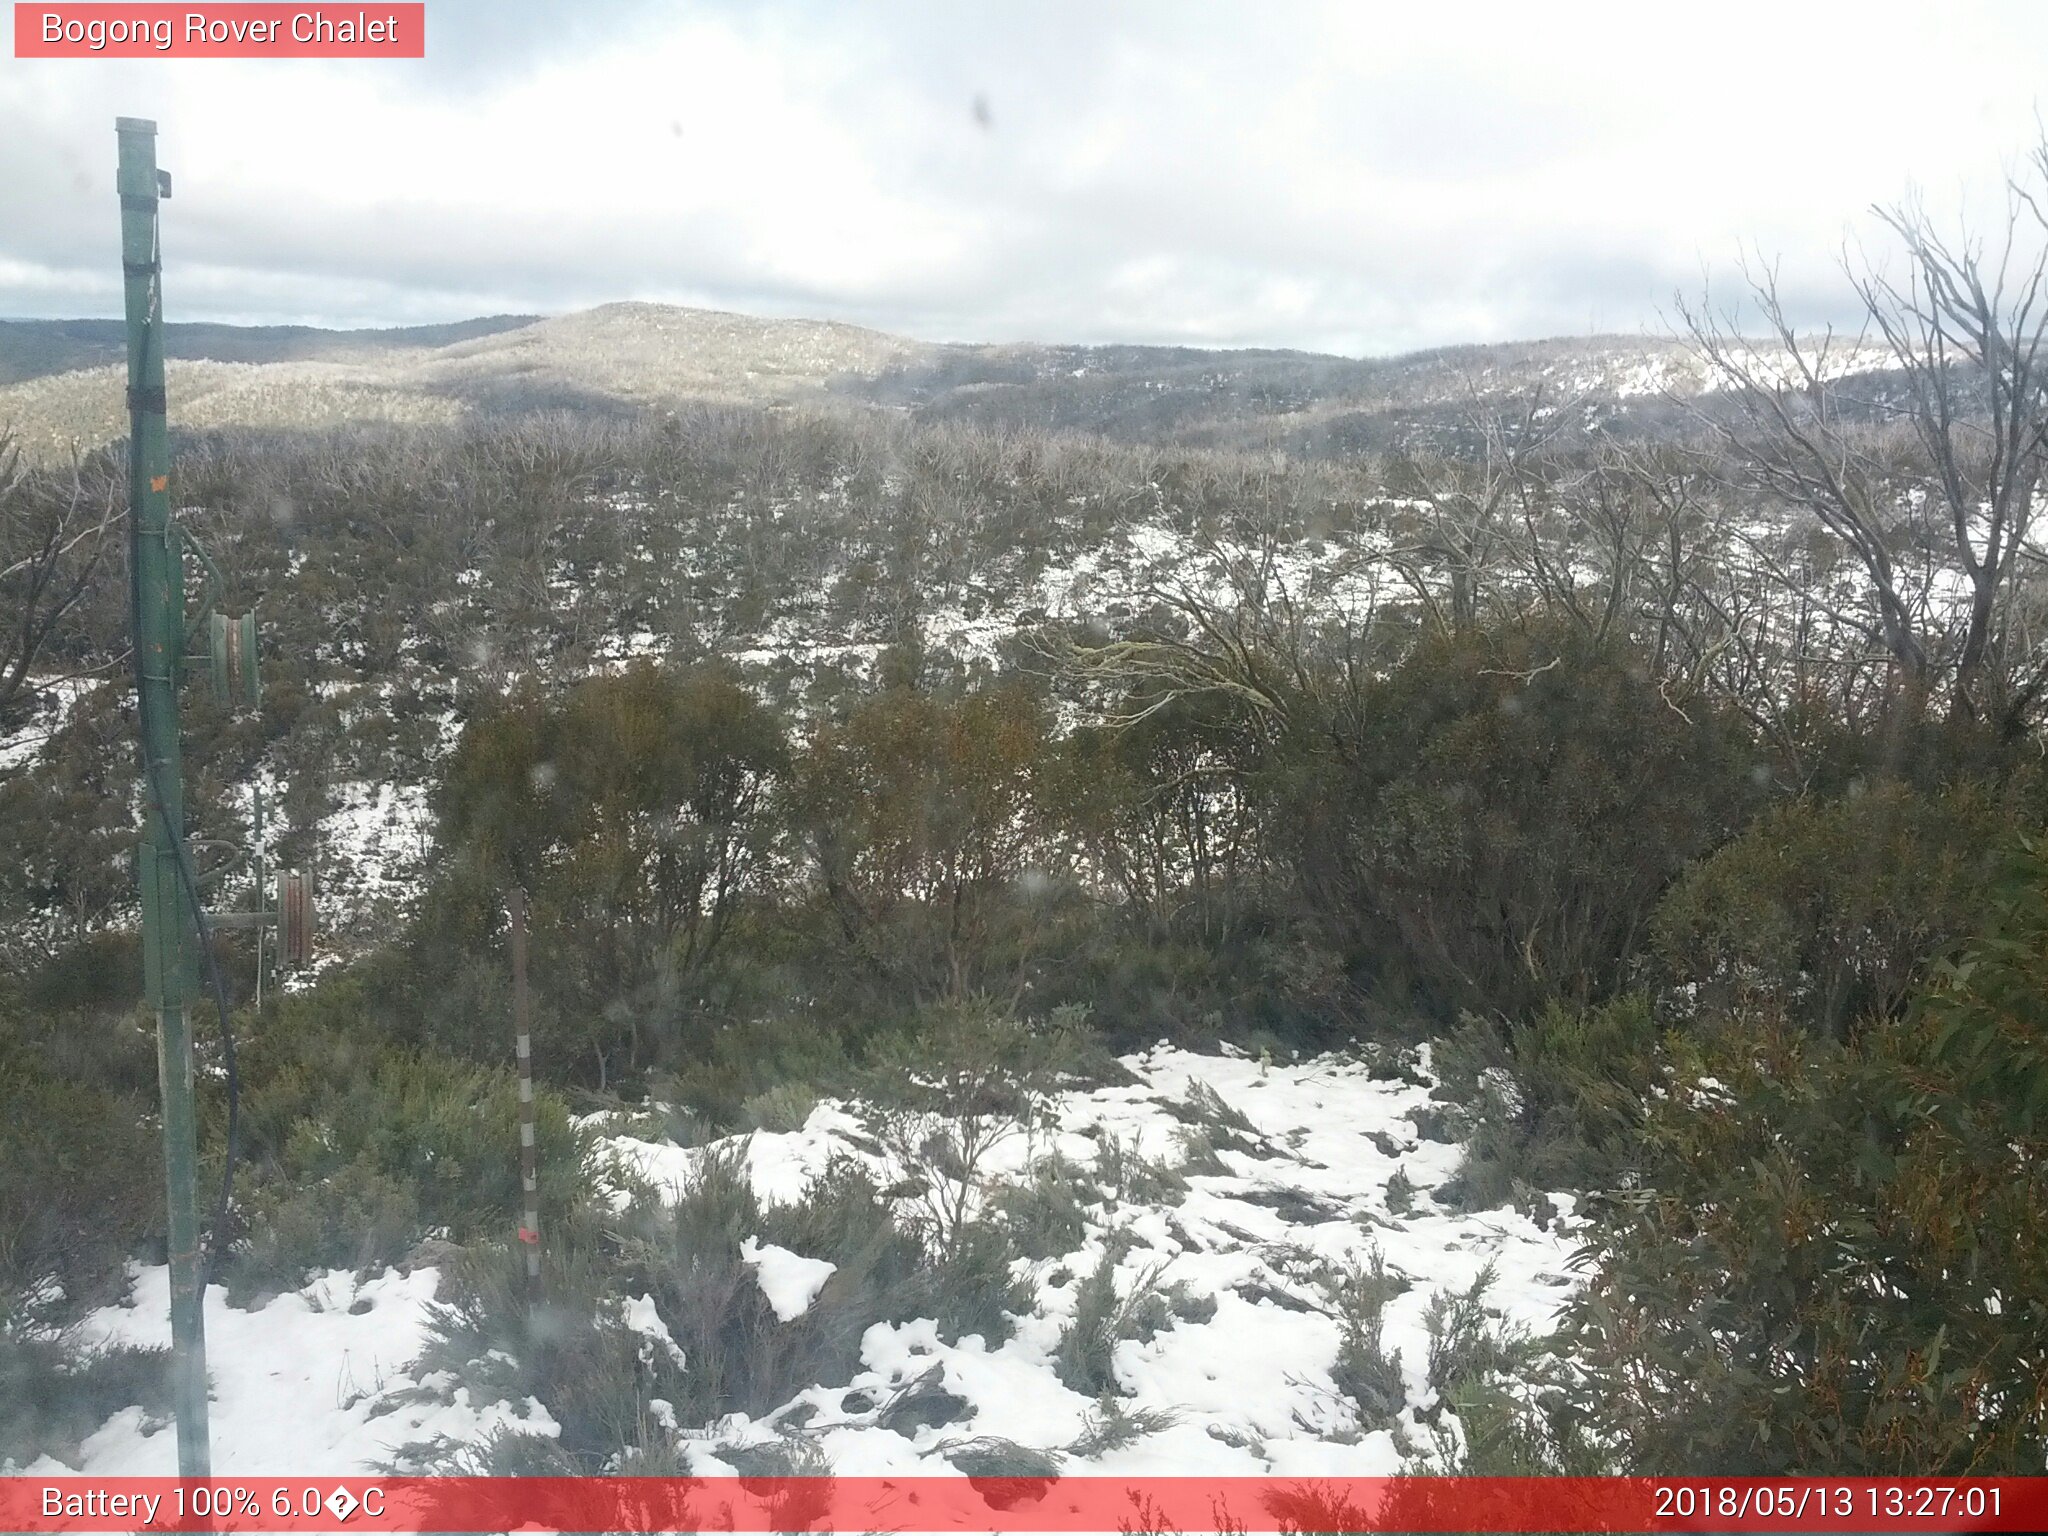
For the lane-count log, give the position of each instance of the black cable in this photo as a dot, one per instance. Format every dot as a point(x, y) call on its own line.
point(186, 879)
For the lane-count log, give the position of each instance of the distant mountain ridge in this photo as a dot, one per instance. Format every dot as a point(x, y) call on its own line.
point(33, 349)
point(60, 379)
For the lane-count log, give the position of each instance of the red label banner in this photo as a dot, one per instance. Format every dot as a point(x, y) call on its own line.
point(215, 31)
point(1022, 1503)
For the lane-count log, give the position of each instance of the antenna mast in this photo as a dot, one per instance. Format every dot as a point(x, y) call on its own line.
point(157, 611)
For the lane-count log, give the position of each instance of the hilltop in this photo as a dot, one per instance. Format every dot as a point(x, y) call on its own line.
point(60, 380)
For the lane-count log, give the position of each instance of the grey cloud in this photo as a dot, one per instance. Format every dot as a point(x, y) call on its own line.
point(1151, 171)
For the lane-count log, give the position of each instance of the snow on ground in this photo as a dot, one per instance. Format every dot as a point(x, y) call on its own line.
point(373, 846)
point(310, 1382)
point(790, 1281)
point(315, 1382)
point(53, 700)
point(644, 1318)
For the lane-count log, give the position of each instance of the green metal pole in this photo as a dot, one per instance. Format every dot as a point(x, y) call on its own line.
point(158, 596)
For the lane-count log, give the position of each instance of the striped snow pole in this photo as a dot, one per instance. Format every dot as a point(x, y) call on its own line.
point(529, 1152)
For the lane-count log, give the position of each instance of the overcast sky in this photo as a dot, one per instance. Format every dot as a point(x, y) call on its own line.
point(1351, 177)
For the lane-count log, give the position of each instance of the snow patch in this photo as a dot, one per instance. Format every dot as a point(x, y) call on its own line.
point(790, 1281)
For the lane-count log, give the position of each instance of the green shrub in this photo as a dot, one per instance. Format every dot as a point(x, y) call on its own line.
point(1556, 1104)
point(1141, 987)
point(975, 1289)
point(358, 1217)
point(689, 1260)
point(354, 1148)
point(992, 1462)
point(1400, 1192)
point(83, 1187)
point(1364, 1372)
point(971, 1056)
point(1501, 1432)
point(54, 1391)
point(1222, 1126)
point(1838, 1265)
point(740, 1062)
point(843, 1216)
point(101, 974)
point(502, 1452)
point(1126, 1175)
point(1043, 1210)
point(632, 810)
point(689, 1257)
point(109, 1052)
point(1467, 1345)
point(1111, 1426)
point(785, 1107)
point(572, 1351)
point(918, 815)
point(1104, 1317)
point(1198, 1154)
point(1503, 808)
point(1828, 912)
point(1168, 826)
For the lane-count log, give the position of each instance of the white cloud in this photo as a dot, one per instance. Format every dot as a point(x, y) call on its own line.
point(1328, 175)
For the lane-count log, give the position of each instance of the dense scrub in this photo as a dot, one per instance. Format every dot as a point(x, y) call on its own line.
point(1833, 1260)
point(1524, 815)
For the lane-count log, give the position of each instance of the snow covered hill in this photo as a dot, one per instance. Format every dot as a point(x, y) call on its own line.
point(630, 355)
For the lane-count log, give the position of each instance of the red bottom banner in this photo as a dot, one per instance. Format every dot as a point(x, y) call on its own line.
point(1150, 1505)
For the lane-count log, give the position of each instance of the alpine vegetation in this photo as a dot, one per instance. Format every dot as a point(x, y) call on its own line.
point(1085, 908)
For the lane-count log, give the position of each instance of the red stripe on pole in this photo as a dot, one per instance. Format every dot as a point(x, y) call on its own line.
point(1091, 1503)
point(377, 30)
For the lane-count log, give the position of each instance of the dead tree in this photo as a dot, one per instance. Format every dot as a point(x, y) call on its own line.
point(53, 543)
point(1961, 331)
point(1966, 328)
point(1472, 503)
